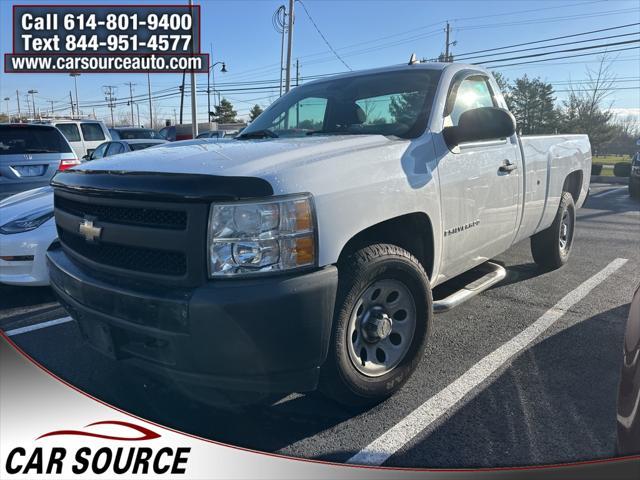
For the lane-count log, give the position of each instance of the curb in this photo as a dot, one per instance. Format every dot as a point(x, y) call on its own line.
point(605, 179)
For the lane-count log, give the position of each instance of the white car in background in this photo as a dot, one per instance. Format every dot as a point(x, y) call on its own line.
point(27, 230)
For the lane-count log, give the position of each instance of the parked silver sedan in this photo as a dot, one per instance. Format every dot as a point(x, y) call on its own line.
point(115, 147)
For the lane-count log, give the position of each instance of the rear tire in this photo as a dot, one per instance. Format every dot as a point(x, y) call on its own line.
point(551, 247)
point(381, 325)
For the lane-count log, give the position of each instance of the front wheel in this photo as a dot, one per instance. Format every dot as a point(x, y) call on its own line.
point(551, 247)
point(381, 325)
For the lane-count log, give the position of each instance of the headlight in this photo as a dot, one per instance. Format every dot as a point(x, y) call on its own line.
point(30, 221)
point(258, 237)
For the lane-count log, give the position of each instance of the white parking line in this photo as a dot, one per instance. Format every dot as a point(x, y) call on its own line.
point(37, 326)
point(607, 192)
point(379, 451)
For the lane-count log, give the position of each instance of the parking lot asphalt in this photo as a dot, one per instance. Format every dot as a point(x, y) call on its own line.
point(475, 400)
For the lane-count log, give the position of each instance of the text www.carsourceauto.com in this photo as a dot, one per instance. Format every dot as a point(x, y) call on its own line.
point(19, 63)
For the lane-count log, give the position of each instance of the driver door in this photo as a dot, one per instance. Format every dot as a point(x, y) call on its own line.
point(479, 200)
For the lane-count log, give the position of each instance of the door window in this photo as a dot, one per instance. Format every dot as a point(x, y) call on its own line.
point(92, 132)
point(114, 149)
point(70, 131)
point(473, 92)
point(99, 152)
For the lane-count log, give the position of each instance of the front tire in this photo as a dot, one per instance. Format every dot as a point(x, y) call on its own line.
point(381, 325)
point(551, 247)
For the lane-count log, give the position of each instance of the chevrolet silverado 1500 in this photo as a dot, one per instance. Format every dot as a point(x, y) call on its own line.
point(303, 254)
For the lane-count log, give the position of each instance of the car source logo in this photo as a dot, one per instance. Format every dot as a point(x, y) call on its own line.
point(89, 231)
point(28, 156)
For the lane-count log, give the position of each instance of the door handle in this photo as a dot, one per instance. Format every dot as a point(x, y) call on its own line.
point(507, 167)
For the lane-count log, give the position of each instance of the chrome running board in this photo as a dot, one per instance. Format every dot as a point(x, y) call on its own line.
point(495, 273)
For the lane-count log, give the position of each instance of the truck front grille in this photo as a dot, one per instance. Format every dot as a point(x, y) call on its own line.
point(151, 217)
point(147, 240)
point(145, 260)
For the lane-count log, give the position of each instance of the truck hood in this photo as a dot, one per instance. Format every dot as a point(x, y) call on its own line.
point(260, 158)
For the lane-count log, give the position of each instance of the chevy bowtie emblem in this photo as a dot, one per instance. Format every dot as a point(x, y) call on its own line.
point(89, 231)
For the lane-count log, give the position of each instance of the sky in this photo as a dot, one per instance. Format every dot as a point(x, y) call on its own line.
point(363, 34)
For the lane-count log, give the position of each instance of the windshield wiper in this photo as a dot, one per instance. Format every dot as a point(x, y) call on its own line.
point(264, 133)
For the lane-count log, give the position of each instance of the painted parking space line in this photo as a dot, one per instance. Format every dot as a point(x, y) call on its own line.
point(383, 447)
point(607, 192)
point(37, 326)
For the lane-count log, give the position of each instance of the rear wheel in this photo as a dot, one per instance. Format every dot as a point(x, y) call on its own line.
point(551, 247)
point(381, 325)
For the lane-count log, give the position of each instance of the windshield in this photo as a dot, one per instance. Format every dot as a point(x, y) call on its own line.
point(391, 103)
point(20, 139)
point(134, 133)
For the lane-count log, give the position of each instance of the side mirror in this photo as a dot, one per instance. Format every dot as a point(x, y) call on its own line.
point(86, 157)
point(485, 123)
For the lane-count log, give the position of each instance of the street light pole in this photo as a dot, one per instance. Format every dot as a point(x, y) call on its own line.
point(211, 76)
point(75, 83)
point(33, 101)
point(194, 106)
point(6, 99)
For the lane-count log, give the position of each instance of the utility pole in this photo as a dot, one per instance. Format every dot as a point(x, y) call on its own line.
point(280, 25)
point(71, 103)
point(109, 91)
point(51, 108)
point(297, 83)
point(150, 109)
point(75, 83)
point(133, 119)
point(448, 56)
point(18, 101)
point(446, 45)
point(289, 46)
point(6, 99)
point(194, 106)
point(182, 95)
point(175, 118)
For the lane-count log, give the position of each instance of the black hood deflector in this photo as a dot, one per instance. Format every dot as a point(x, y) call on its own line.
point(169, 186)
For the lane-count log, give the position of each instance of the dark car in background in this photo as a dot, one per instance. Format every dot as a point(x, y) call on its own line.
point(212, 134)
point(634, 177)
point(629, 392)
point(131, 133)
point(115, 147)
point(30, 155)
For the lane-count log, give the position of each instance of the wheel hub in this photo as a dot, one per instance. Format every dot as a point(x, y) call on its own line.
point(376, 325)
point(381, 327)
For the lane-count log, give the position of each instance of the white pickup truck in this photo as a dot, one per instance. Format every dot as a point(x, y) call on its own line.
point(303, 254)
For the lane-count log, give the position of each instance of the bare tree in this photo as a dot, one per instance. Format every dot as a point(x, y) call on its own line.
point(585, 111)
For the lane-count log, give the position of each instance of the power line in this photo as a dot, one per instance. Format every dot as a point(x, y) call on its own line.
point(603, 52)
point(566, 50)
point(549, 46)
point(550, 19)
point(549, 39)
point(405, 32)
point(322, 35)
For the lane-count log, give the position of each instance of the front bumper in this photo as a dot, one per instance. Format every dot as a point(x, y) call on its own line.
point(267, 335)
